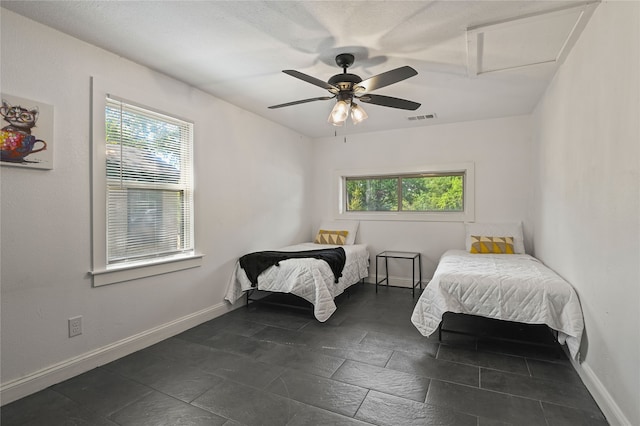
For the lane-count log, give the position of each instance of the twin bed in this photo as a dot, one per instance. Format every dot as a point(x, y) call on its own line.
point(310, 278)
point(492, 278)
point(513, 287)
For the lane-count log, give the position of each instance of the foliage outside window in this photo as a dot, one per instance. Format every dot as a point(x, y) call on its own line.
point(426, 192)
point(149, 184)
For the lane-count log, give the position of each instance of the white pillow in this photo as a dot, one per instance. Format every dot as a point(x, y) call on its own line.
point(496, 230)
point(341, 225)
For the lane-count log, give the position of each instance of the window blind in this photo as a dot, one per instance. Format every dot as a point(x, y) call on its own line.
point(149, 184)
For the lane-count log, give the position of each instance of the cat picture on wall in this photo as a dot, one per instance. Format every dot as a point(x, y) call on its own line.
point(27, 133)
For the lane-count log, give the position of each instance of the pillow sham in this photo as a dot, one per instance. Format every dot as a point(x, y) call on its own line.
point(497, 245)
point(350, 226)
point(338, 238)
point(490, 229)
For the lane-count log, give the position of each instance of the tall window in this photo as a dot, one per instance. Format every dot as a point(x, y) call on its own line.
point(429, 192)
point(149, 173)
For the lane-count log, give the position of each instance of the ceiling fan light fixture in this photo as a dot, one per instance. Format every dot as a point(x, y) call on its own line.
point(339, 113)
point(358, 114)
point(345, 86)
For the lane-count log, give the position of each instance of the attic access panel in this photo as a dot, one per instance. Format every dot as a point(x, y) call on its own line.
point(544, 38)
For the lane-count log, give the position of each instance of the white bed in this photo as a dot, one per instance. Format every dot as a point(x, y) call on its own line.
point(512, 287)
point(310, 279)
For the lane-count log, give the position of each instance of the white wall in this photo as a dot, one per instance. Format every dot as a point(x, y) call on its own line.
point(251, 193)
point(587, 191)
point(500, 150)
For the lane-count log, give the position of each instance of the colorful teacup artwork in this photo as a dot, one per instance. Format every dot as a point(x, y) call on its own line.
point(18, 141)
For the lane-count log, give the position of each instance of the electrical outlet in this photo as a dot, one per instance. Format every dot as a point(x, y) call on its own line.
point(75, 326)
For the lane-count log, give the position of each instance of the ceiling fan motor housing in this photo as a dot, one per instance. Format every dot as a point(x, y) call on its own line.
point(344, 81)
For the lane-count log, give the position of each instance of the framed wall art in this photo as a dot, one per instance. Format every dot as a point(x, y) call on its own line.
point(26, 134)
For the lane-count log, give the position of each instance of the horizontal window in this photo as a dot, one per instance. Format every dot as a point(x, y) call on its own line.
point(436, 192)
point(430, 193)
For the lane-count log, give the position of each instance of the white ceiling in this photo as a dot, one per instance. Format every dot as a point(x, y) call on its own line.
point(236, 51)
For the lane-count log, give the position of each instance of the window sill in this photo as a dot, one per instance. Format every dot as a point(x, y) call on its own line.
point(408, 216)
point(130, 272)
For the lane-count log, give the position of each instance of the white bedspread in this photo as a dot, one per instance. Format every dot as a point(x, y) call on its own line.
point(311, 279)
point(507, 287)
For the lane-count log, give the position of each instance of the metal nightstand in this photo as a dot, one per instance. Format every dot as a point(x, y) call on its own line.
point(409, 255)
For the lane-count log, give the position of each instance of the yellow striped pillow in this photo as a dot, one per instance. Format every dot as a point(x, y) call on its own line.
point(338, 238)
point(498, 245)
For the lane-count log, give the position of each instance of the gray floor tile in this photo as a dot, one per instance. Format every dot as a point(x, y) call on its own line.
point(426, 366)
point(543, 390)
point(309, 415)
point(492, 422)
point(282, 336)
point(194, 354)
point(558, 415)
point(486, 404)
point(341, 398)
point(249, 372)
point(221, 325)
point(383, 379)
point(247, 405)
point(381, 409)
point(232, 423)
point(509, 363)
point(551, 353)
point(240, 345)
point(277, 316)
point(343, 337)
point(49, 408)
point(301, 359)
point(351, 334)
point(391, 328)
point(157, 409)
point(415, 344)
point(132, 364)
point(177, 379)
point(559, 371)
point(102, 391)
point(368, 354)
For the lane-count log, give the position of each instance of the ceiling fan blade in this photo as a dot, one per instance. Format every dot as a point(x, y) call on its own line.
point(309, 79)
point(302, 101)
point(387, 78)
point(389, 101)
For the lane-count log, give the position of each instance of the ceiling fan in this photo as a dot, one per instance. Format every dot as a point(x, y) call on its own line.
point(346, 88)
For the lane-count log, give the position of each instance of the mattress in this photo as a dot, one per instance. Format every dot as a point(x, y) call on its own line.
point(310, 279)
point(511, 287)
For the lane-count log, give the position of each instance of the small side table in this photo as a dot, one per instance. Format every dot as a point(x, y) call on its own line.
point(409, 255)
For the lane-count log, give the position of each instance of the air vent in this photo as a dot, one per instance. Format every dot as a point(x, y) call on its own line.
point(422, 117)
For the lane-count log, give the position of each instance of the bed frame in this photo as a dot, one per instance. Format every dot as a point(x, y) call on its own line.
point(286, 300)
point(540, 330)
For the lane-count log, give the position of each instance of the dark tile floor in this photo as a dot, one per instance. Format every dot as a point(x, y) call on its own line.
point(366, 365)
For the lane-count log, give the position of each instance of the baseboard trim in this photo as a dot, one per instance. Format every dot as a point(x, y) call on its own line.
point(601, 395)
point(42, 379)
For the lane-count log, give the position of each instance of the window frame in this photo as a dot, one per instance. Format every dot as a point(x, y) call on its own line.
point(466, 215)
point(101, 272)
